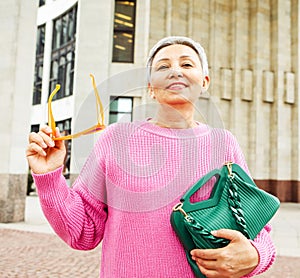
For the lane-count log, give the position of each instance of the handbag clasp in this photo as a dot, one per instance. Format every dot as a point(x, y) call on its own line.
point(178, 207)
point(229, 168)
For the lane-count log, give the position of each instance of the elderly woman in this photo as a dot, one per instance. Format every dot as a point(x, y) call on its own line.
point(138, 171)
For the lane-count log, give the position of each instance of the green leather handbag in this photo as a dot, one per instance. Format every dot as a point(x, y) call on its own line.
point(235, 203)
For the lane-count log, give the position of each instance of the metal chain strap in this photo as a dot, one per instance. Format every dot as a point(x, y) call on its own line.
point(192, 225)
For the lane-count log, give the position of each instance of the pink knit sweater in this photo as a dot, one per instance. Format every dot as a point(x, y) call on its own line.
point(125, 193)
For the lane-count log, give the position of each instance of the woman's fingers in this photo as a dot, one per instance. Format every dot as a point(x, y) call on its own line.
point(46, 129)
point(45, 140)
point(42, 138)
point(33, 149)
point(39, 142)
point(43, 153)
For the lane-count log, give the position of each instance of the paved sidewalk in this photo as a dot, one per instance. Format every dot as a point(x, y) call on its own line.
point(35, 220)
point(31, 249)
point(40, 255)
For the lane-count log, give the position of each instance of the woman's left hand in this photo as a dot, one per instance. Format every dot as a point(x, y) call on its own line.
point(235, 260)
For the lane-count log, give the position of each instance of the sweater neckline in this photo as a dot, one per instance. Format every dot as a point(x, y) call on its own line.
point(184, 133)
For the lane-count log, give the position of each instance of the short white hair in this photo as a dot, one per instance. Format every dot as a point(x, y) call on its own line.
point(177, 40)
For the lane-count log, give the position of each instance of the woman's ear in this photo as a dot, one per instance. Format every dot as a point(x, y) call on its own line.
point(151, 91)
point(206, 82)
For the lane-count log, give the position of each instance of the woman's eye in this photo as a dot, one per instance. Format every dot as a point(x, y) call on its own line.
point(162, 67)
point(187, 65)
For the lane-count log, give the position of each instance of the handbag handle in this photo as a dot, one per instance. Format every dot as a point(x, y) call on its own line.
point(229, 174)
point(188, 206)
point(200, 183)
point(234, 205)
point(221, 174)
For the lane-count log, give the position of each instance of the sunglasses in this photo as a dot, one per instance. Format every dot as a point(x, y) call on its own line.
point(96, 128)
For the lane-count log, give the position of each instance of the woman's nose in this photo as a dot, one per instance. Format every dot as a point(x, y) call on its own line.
point(175, 72)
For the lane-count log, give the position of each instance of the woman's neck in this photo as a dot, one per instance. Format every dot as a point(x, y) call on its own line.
point(171, 117)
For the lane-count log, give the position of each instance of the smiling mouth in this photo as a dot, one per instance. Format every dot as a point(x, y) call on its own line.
point(176, 86)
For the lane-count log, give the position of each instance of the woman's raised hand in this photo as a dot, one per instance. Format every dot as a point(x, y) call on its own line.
point(43, 154)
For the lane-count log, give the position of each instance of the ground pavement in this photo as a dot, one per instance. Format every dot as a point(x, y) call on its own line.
point(30, 249)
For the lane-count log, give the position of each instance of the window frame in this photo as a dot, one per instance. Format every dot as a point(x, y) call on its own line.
point(42, 3)
point(63, 43)
point(66, 126)
point(123, 29)
point(117, 112)
point(39, 65)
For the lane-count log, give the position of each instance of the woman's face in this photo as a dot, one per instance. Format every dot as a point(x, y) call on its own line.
point(177, 76)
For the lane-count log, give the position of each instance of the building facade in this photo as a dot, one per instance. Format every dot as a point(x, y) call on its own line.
point(252, 49)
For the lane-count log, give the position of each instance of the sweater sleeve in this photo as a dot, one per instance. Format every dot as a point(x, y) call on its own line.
point(77, 214)
point(266, 251)
point(263, 242)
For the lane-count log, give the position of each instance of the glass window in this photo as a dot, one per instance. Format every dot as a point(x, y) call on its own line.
point(120, 109)
point(124, 31)
point(40, 42)
point(71, 26)
point(42, 2)
point(64, 29)
point(61, 72)
point(64, 126)
point(35, 128)
point(30, 184)
point(63, 53)
point(57, 34)
point(65, 129)
point(38, 71)
point(69, 70)
point(54, 78)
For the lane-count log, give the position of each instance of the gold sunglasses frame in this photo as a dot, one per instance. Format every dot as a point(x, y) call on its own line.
point(96, 128)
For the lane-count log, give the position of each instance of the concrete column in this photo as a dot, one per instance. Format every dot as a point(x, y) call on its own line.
point(220, 57)
point(242, 76)
point(94, 41)
point(158, 21)
point(263, 89)
point(17, 47)
point(295, 63)
point(281, 133)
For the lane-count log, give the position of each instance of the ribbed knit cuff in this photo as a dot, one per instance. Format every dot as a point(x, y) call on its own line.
point(264, 259)
point(51, 187)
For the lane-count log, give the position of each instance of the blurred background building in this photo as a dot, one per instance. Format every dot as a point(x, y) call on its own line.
point(253, 53)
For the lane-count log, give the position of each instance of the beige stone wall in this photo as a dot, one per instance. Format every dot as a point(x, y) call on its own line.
point(252, 48)
point(12, 197)
point(17, 48)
